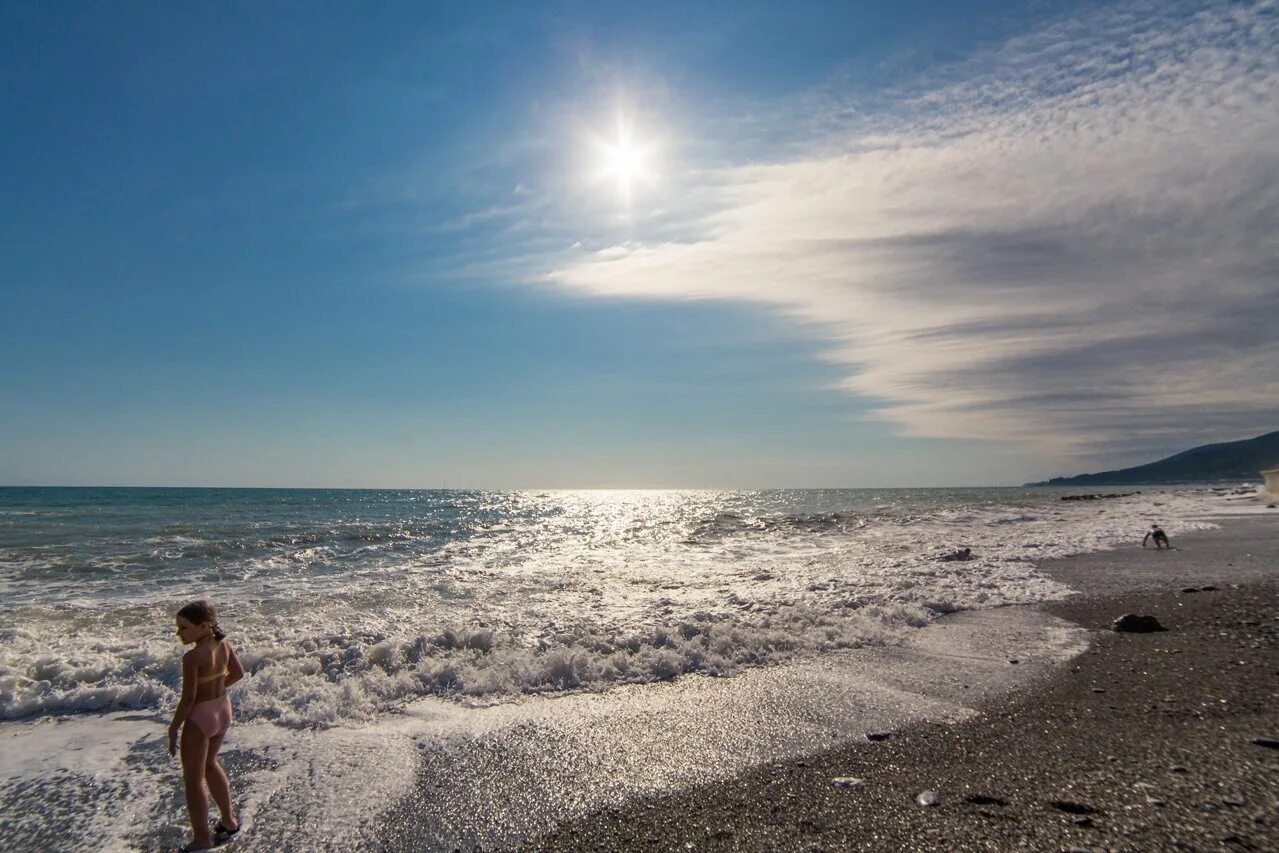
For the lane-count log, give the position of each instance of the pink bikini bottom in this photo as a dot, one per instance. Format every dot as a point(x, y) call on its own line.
point(212, 716)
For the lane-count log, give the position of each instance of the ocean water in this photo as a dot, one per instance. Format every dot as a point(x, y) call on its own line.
point(358, 612)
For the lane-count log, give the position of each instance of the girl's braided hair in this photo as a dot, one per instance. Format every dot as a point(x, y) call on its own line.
point(199, 612)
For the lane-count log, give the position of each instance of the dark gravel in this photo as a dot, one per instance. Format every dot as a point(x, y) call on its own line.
point(1147, 742)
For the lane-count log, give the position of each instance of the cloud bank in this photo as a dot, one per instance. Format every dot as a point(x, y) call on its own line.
point(1069, 242)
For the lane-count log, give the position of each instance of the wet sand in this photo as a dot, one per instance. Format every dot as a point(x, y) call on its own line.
point(1144, 742)
point(495, 777)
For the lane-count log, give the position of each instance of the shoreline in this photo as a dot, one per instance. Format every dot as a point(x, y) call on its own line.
point(1143, 742)
point(747, 762)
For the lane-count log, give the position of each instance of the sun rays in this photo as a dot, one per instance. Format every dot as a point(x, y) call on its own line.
point(625, 161)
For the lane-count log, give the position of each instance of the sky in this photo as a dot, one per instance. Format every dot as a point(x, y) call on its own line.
point(617, 245)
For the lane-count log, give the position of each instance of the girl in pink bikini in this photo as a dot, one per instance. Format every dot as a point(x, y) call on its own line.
point(207, 671)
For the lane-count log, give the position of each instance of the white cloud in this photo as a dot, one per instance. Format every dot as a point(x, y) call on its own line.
point(1068, 243)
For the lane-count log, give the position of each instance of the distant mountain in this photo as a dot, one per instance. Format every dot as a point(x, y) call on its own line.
point(1233, 460)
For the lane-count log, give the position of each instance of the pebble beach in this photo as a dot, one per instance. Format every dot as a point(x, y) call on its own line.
point(1151, 741)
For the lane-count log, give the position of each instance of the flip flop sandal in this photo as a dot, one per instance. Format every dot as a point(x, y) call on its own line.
point(221, 834)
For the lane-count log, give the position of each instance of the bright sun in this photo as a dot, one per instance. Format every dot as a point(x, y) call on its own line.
point(624, 161)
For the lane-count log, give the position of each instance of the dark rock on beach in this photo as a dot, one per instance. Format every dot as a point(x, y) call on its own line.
point(1131, 623)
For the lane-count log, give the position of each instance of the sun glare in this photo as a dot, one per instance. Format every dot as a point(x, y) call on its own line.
point(624, 161)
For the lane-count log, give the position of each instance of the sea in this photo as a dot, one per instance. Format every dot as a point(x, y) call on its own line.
point(466, 668)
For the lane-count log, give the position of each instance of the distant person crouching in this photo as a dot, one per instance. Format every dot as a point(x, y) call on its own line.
point(1157, 534)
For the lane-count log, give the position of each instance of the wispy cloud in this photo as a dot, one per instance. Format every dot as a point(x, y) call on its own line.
point(1067, 241)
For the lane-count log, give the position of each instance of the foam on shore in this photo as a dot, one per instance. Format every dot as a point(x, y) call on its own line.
point(515, 616)
point(467, 776)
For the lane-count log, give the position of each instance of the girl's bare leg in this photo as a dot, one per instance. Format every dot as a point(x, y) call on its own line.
point(195, 748)
point(219, 786)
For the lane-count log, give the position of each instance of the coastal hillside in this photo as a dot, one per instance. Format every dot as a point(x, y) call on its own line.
point(1231, 460)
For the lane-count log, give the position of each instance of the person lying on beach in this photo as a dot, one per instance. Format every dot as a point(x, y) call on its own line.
point(203, 715)
point(957, 554)
point(1156, 533)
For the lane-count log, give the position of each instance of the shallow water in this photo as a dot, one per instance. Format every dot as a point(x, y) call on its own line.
point(355, 611)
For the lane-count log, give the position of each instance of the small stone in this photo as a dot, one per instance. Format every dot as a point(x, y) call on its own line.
point(1232, 838)
point(1013, 660)
point(878, 735)
point(1131, 623)
point(1082, 820)
point(1207, 588)
point(846, 781)
point(1099, 690)
point(1271, 742)
point(1179, 768)
point(1154, 801)
point(927, 799)
point(1190, 589)
point(1232, 801)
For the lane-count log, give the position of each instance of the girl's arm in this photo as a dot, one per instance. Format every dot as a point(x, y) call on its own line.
point(185, 702)
point(234, 671)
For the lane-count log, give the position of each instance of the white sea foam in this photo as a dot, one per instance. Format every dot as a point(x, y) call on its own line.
point(597, 591)
point(107, 782)
point(491, 776)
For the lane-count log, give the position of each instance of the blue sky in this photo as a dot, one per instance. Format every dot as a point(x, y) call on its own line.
point(870, 244)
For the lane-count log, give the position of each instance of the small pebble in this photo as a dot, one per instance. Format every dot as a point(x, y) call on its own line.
point(1178, 768)
point(846, 781)
point(927, 799)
